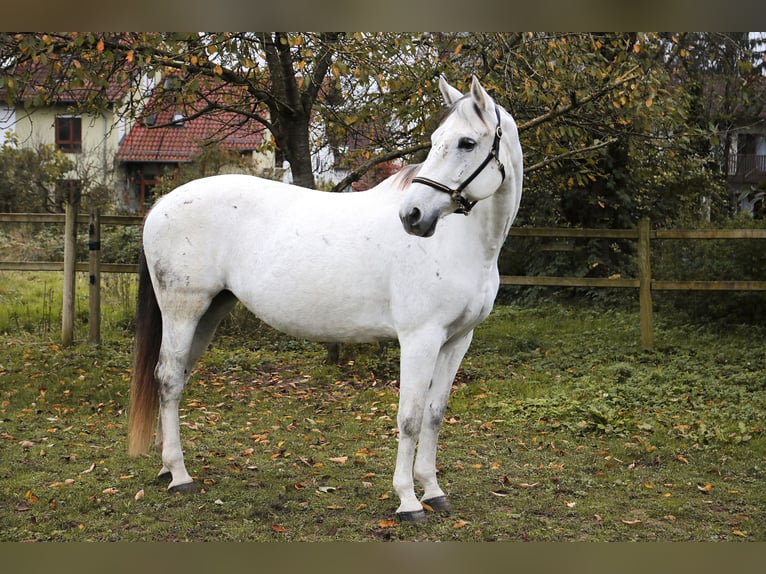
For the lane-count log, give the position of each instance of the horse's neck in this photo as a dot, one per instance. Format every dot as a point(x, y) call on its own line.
point(493, 217)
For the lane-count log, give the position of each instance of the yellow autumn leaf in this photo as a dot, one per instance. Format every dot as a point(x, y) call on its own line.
point(460, 524)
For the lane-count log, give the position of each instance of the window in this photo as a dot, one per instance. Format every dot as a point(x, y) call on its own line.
point(144, 178)
point(69, 133)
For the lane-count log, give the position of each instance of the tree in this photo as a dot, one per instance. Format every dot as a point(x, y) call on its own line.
point(587, 104)
point(29, 176)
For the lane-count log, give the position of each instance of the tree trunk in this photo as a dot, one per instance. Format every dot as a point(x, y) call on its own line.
point(298, 152)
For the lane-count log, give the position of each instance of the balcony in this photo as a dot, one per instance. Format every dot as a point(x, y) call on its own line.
point(747, 168)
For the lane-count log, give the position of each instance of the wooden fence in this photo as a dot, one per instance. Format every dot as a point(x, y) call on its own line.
point(643, 234)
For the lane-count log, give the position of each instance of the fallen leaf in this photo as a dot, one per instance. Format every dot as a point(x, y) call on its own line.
point(139, 495)
point(110, 490)
point(570, 504)
point(218, 501)
point(597, 517)
point(631, 522)
point(460, 524)
point(30, 496)
point(704, 488)
point(682, 458)
point(738, 533)
point(339, 459)
point(669, 517)
point(387, 524)
point(278, 528)
point(25, 444)
point(89, 469)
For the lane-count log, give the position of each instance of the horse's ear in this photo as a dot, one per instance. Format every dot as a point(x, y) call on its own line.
point(480, 95)
point(450, 94)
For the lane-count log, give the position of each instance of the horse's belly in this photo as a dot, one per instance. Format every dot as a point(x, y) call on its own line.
point(320, 319)
point(345, 300)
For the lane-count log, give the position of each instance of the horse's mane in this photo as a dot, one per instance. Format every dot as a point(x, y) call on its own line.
point(404, 176)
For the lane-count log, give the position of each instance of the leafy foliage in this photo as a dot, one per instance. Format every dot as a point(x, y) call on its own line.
point(29, 175)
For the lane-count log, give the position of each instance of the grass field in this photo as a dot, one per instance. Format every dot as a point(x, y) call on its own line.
point(559, 428)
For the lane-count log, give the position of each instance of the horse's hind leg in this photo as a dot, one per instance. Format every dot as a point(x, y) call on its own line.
point(204, 330)
point(437, 397)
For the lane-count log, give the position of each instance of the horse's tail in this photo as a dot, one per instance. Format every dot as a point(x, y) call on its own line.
point(144, 391)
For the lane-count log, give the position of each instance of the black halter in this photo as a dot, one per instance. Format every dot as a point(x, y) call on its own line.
point(464, 205)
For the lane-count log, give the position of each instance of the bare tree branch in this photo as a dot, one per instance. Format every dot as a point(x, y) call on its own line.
point(576, 103)
point(369, 164)
point(548, 161)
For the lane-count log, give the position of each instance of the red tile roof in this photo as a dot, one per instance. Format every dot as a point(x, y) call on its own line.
point(182, 141)
point(48, 80)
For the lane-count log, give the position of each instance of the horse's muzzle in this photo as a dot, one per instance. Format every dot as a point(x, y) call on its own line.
point(416, 222)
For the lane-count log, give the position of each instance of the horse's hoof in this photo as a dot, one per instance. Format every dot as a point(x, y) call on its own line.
point(413, 516)
point(186, 488)
point(438, 504)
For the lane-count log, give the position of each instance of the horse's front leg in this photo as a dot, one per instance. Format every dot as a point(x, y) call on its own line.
point(435, 406)
point(418, 359)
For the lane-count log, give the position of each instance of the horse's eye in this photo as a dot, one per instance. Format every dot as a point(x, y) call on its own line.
point(466, 144)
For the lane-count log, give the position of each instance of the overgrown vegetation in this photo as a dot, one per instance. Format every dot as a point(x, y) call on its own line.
point(559, 428)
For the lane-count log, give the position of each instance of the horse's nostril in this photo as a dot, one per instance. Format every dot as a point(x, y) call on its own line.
point(414, 216)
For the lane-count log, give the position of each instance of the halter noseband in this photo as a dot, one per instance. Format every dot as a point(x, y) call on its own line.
point(464, 205)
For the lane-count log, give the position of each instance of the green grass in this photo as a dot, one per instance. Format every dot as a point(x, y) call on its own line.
point(559, 428)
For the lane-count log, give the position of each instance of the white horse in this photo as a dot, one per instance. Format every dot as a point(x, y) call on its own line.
point(350, 267)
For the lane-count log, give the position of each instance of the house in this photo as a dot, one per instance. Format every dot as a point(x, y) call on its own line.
point(140, 133)
point(89, 139)
point(746, 173)
point(169, 135)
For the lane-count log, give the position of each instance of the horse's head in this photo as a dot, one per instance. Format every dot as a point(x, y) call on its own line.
point(464, 165)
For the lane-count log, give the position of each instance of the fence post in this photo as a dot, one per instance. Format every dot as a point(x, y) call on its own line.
point(94, 277)
point(645, 284)
point(70, 256)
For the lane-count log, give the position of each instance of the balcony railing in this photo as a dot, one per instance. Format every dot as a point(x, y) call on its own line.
point(747, 168)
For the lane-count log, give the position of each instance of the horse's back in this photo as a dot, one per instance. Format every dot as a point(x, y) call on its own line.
point(310, 263)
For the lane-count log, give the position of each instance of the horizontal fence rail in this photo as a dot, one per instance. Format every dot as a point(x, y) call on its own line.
point(643, 234)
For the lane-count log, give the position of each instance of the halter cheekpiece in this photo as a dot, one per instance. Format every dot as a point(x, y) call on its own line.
point(464, 205)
